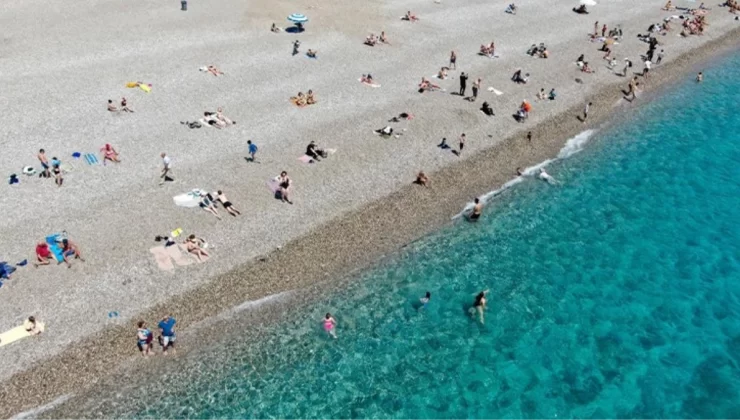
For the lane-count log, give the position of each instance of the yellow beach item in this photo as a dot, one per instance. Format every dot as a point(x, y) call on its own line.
point(17, 333)
point(132, 84)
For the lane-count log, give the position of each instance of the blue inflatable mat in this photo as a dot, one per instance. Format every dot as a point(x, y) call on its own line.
point(54, 247)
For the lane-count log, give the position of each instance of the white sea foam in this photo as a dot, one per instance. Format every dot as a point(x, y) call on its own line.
point(244, 306)
point(572, 146)
point(35, 412)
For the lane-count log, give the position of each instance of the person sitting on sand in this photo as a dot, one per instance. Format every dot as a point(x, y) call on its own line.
point(284, 183)
point(313, 151)
point(442, 74)
point(383, 38)
point(486, 109)
point(224, 119)
point(586, 68)
point(488, 50)
point(669, 6)
point(511, 9)
point(544, 53)
point(425, 85)
point(581, 10)
point(31, 326)
point(410, 17)
point(367, 79)
point(310, 98)
point(311, 53)
point(274, 28)
point(207, 205)
point(124, 105)
point(518, 78)
point(70, 249)
point(195, 246)
point(109, 154)
point(43, 254)
point(541, 95)
point(422, 179)
point(552, 95)
point(214, 71)
point(299, 100)
point(371, 40)
point(111, 107)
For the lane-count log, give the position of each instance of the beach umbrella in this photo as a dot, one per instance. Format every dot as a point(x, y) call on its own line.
point(588, 2)
point(298, 18)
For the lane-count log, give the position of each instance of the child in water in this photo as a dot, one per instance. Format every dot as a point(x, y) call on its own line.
point(424, 300)
point(329, 324)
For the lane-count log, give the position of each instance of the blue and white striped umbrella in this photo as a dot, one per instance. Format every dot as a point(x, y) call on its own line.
point(298, 18)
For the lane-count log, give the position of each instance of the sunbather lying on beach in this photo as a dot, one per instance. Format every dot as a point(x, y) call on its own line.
point(511, 8)
point(410, 17)
point(227, 204)
point(367, 79)
point(109, 154)
point(427, 85)
point(371, 40)
point(211, 119)
point(195, 246)
point(386, 131)
point(207, 205)
point(518, 78)
point(586, 68)
point(275, 29)
point(214, 71)
point(581, 10)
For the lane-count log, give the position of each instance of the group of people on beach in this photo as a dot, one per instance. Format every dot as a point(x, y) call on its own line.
point(166, 338)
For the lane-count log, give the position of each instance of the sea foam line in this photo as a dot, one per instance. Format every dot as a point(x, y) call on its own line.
point(573, 146)
point(35, 412)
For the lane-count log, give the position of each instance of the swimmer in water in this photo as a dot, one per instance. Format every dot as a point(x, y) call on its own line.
point(329, 324)
point(700, 77)
point(480, 304)
point(477, 211)
point(425, 299)
point(546, 177)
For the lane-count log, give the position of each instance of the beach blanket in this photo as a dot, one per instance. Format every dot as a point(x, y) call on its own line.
point(91, 159)
point(496, 91)
point(17, 333)
point(490, 56)
point(273, 185)
point(176, 253)
point(162, 258)
point(375, 85)
point(189, 200)
point(54, 247)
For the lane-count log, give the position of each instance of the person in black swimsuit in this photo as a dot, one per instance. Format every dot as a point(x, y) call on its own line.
point(58, 178)
point(284, 187)
point(314, 152)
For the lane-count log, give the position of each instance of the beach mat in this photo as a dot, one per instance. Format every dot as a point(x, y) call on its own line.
point(306, 159)
point(273, 185)
point(375, 85)
point(51, 240)
point(176, 254)
point(91, 159)
point(17, 333)
point(162, 258)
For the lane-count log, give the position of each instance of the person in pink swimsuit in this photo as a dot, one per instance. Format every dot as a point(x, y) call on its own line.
point(329, 324)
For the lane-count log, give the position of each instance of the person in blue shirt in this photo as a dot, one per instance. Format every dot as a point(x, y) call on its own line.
point(167, 339)
point(252, 150)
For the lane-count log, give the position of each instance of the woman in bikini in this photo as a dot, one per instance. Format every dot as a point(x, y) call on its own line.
point(110, 154)
point(285, 184)
point(329, 324)
point(453, 60)
point(299, 100)
point(193, 246)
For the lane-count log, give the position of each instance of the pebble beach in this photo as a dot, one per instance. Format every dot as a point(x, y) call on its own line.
point(60, 65)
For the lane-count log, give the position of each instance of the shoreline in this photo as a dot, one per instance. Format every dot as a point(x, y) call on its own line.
point(354, 241)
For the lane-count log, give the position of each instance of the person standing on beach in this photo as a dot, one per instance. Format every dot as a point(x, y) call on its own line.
point(603, 30)
point(167, 339)
point(660, 57)
point(646, 70)
point(477, 210)
point(586, 109)
point(166, 168)
point(596, 28)
point(144, 339)
point(44, 164)
point(476, 87)
point(529, 136)
point(453, 60)
point(252, 150)
point(463, 83)
point(627, 64)
point(329, 324)
point(462, 143)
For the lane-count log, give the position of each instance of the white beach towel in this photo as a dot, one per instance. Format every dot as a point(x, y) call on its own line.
point(190, 199)
point(496, 91)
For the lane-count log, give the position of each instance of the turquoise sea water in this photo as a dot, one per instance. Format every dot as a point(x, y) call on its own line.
point(615, 293)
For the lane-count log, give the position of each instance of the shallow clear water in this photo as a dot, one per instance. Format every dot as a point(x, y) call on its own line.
point(615, 293)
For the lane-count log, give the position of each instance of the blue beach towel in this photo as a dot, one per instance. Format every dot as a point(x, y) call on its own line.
point(54, 248)
point(6, 270)
point(76, 155)
point(91, 159)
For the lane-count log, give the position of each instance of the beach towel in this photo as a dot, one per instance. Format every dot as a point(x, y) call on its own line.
point(496, 91)
point(375, 85)
point(273, 185)
point(145, 88)
point(189, 200)
point(6, 270)
point(162, 258)
point(17, 333)
point(132, 84)
point(91, 159)
point(55, 249)
point(176, 254)
point(306, 159)
point(66, 167)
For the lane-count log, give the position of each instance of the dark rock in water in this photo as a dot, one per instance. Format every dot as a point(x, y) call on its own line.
point(586, 392)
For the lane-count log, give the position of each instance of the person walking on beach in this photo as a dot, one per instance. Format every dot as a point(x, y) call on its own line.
point(463, 83)
point(646, 70)
point(167, 339)
point(660, 57)
point(252, 150)
point(603, 30)
point(586, 109)
point(529, 136)
point(329, 324)
point(44, 164)
point(144, 339)
point(296, 46)
point(453, 60)
point(627, 65)
point(166, 168)
point(462, 143)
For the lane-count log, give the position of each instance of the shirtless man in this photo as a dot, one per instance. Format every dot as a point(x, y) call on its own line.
point(422, 179)
point(70, 249)
point(477, 211)
point(227, 204)
point(44, 164)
